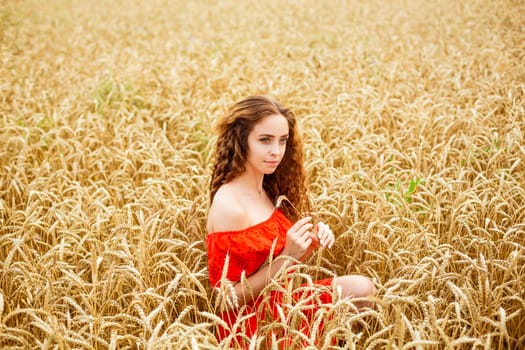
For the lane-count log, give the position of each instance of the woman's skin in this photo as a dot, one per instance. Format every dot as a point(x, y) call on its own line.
point(242, 203)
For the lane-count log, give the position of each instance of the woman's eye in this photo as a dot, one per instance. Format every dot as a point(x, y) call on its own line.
point(265, 140)
point(283, 141)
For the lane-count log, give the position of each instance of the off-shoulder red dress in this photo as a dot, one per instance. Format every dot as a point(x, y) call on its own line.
point(247, 250)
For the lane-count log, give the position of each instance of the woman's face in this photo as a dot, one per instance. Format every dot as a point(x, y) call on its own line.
point(267, 144)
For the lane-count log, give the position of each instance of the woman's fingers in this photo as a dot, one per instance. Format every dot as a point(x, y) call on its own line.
point(307, 243)
point(305, 232)
point(326, 237)
point(298, 238)
point(302, 227)
point(299, 223)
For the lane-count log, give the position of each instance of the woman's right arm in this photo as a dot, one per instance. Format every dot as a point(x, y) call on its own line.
point(298, 239)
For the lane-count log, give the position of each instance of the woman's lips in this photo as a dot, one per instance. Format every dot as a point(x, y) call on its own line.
point(272, 162)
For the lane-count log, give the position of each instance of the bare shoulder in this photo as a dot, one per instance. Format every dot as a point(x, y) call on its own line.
point(226, 212)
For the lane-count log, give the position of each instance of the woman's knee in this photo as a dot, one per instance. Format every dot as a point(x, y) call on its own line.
point(356, 286)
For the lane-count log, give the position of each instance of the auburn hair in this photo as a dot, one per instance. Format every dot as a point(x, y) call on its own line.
point(231, 152)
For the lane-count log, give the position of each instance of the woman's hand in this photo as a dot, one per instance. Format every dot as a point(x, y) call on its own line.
point(321, 236)
point(324, 235)
point(298, 239)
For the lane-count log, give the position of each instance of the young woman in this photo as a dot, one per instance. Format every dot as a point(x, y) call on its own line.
point(258, 159)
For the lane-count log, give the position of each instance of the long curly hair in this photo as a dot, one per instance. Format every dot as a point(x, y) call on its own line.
point(233, 128)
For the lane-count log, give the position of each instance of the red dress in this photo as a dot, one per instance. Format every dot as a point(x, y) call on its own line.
point(247, 250)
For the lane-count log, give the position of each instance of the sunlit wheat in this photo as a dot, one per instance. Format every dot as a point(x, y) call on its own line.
point(413, 119)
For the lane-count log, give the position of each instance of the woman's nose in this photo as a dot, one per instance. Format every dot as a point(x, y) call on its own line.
point(276, 149)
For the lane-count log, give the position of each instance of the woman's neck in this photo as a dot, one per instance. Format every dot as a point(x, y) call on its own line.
point(252, 183)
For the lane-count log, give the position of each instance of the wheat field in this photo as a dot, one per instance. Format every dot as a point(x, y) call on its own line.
point(413, 119)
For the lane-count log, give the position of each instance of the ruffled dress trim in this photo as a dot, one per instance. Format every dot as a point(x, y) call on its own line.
point(246, 249)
